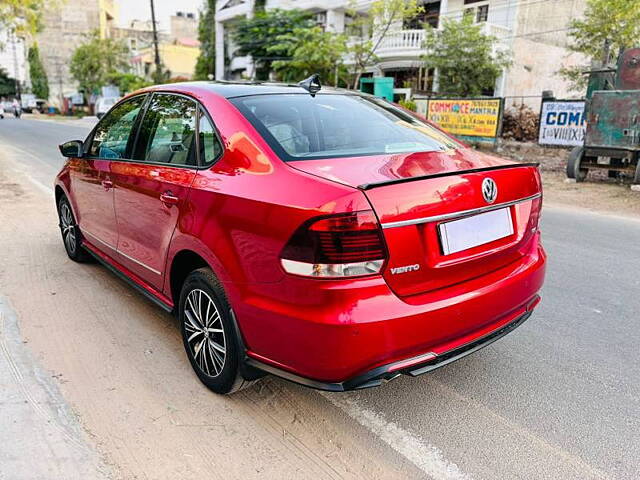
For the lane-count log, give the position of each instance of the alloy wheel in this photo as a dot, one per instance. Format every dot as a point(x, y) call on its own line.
point(68, 228)
point(205, 332)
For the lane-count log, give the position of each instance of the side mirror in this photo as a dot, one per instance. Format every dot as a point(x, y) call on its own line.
point(72, 149)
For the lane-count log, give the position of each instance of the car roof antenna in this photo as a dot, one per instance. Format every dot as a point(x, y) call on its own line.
point(311, 84)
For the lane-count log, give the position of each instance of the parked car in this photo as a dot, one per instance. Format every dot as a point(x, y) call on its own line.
point(330, 238)
point(8, 107)
point(104, 104)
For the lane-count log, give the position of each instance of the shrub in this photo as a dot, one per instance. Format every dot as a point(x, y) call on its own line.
point(408, 104)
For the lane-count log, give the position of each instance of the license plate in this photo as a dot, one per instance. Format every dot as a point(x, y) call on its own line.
point(477, 230)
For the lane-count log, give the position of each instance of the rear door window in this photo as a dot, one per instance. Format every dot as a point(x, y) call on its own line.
point(168, 131)
point(112, 135)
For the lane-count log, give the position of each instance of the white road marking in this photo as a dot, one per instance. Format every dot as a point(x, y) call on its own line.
point(40, 185)
point(424, 456)
point(17, 151)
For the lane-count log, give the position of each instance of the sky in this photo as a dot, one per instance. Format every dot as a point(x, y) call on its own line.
point(141, 10)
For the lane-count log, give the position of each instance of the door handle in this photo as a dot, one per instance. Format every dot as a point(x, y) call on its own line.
point(169, 199)
point(107, 184)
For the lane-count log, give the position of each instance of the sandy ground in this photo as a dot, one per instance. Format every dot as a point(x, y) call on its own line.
point(120, 364)
point(596, 195)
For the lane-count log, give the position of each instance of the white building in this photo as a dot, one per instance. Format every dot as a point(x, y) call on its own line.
point(535, 31)
point(13, 57)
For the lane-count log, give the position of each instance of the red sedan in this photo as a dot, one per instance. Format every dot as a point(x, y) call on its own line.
point(327, 237)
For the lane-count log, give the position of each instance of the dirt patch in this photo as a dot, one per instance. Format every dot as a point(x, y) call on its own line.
point(605, 197)
point(9, 189)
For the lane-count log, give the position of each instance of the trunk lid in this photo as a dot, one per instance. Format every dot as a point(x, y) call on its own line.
point(413, 194)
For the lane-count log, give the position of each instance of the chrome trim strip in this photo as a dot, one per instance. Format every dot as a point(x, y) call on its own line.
point(123, 254)
point(85, 232)
point(461, 213)
point(139, 263)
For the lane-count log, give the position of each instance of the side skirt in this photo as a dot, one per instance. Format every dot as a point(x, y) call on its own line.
point(156, 297)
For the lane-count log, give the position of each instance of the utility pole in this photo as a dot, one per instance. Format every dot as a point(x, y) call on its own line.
point(158, 73)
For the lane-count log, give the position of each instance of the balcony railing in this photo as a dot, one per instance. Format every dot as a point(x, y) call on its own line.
point(498, 31)
point(404, 42)
point(409, 43)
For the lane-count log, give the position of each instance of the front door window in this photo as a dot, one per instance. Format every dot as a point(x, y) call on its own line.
point(112, 135)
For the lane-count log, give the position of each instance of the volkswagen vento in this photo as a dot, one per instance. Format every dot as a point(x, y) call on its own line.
point(324, 236)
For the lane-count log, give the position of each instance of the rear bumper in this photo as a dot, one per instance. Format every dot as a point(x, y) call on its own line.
point(339, 336)
point(411, 366)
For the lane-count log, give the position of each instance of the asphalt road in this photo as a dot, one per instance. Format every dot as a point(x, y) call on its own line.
point(558, 398)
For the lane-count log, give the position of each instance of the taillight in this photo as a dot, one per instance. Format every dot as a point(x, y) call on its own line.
point(341, 245)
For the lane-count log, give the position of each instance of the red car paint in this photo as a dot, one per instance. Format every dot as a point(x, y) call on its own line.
point(241, 212)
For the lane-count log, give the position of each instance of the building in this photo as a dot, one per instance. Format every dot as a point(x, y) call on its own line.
point(137, 35)
point(535, 32)
point(184, 25)
point(66, 25)
point(179, 58)
point(179, 48)
point(13, 57)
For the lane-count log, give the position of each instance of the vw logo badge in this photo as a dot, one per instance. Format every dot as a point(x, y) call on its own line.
point(489, 190)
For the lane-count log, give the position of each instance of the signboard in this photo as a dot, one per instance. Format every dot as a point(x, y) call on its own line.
point(110, 91)
point(562, 123)
point(77, 99)
point(422, 107)
point(476, 119)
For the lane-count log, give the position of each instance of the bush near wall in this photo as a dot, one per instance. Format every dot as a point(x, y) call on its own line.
point(408, 104)
point(520, 123)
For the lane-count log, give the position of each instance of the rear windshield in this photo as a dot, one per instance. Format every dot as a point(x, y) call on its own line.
point(301, 127)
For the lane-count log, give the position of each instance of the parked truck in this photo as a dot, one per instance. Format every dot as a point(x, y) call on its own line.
point(612, 140)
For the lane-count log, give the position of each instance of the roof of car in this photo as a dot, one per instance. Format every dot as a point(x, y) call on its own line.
point(242, 89)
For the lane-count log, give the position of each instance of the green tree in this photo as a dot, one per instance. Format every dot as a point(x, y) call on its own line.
point(608, 26)
point(39, 80)
point(308, 51)
point(254, 36)
point(206, 64)
point(127, 82)
point(372, 28)
point(466, 60)
point(24, 17)
point(7, 84)
point(95, 60)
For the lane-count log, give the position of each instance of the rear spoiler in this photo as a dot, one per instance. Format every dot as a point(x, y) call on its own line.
point(369, 186)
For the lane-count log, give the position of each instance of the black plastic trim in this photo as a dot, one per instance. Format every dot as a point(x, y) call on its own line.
point(369, 186)
point(377, 376)
point(166, 307)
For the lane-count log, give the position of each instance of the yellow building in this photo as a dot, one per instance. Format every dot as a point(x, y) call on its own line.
point(108, 17)
point(179, 57)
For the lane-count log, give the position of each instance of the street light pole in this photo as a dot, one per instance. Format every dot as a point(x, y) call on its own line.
point(155, 43)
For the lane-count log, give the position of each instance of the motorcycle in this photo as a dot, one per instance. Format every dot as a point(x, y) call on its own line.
point(17, 112)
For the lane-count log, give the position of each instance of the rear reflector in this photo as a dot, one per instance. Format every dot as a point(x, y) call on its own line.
point(342, 245)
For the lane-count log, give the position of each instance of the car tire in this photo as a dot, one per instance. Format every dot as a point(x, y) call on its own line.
point(209, 333)
point(71, 236)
